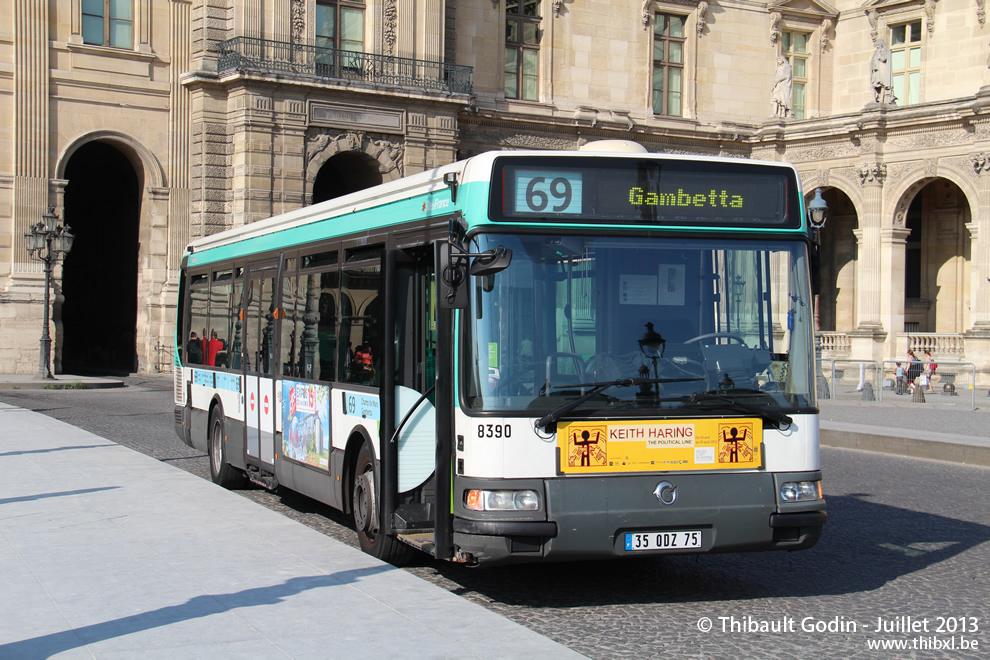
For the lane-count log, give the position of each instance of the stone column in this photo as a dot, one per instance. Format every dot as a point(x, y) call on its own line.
point(431, 30)
point(251, 122)
point(892, 255)
point(30, 105)
point(282, 19)
point(977, 338)
point(979, 230)
point(296, 191)
point(415, 160)
point(180, 108)
point(405, 28)
point(869, 336)
point(157, 317)
point(868, 265)
point(249, 18)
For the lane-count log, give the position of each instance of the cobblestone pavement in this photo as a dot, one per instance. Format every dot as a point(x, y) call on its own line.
point(905, 538)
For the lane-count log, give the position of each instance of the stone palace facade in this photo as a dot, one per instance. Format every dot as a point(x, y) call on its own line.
point(147, 123)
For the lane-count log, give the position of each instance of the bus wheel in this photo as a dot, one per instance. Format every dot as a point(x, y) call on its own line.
point(364, 507)
point(222, 472)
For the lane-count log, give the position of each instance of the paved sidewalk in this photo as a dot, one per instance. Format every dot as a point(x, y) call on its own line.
point(59, 382)
point(108, 553)
point(935, 429)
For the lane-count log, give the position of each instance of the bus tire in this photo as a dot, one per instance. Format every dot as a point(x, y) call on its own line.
point(222, 472)
point(364, 508)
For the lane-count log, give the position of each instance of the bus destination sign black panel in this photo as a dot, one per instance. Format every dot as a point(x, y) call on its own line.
point(641, 191)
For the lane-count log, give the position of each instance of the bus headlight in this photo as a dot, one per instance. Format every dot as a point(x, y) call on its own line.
point(502, 500)
point(801, 491)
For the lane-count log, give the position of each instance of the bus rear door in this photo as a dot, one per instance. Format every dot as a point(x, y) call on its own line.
point(261, 312)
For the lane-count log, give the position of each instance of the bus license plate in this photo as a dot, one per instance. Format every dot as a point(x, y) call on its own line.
point(663, 540)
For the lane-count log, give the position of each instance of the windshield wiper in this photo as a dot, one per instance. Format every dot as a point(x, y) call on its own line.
point(783, 421)
point(598, 388)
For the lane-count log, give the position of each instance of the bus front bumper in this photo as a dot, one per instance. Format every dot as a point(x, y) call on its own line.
point(601, 517)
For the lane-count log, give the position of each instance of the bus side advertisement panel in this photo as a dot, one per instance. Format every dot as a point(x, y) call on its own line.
point(306, 423)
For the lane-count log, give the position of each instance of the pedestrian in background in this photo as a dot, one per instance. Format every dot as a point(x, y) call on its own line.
point(930, 367)
point(914, 368)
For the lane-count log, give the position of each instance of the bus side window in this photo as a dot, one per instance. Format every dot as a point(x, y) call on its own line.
point(217, 342)
point(267, 352)
point(235, 323)
point(199, 307)
point(259, 335)
point(360, 336)
point(293, 308)
point(327, 323)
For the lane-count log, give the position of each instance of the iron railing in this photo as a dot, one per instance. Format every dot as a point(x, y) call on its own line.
point(163, 358)
point(250, 54)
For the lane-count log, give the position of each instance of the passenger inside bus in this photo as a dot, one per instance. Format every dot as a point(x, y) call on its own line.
point(362, 366)
point(216, 351)
point(194, 349)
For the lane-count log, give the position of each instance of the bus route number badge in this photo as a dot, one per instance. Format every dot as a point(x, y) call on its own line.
point(647, 446)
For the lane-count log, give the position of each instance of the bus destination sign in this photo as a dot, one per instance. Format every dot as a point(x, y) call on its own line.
point(641, 191)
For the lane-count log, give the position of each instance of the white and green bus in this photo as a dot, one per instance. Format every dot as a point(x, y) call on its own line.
point(523, 356)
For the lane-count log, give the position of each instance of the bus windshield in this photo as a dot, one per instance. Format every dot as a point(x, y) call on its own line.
point(686, 325)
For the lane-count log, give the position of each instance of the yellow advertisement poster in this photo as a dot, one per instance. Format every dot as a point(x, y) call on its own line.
point(647, 446)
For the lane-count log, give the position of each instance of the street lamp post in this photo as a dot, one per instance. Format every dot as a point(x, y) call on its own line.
point(738, 288)
point(817, 214)
point(652, 345)
point(48, 242)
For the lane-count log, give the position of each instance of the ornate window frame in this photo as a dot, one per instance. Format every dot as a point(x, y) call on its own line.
point(695, 27)
point(799, 80)
point(817, 19)
point(140, 31)
point(667, 66)
point(547, 15)
point(884, 13)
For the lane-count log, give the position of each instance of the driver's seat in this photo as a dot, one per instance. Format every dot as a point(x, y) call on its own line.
point(564, 369)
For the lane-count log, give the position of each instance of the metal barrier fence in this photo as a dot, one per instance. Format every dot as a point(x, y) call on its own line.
point(852, 379)
point(949, 378)
point(163, 358)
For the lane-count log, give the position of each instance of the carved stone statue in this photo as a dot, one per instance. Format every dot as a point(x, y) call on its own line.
point(880, 74)
point(783, 83)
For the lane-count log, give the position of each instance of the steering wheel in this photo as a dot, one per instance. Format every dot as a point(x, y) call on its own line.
point(521, 383)
point(718, 335)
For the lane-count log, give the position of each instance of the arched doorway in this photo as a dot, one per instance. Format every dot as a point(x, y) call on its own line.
point(837, 300)
point(99, 276)
point(347, 172)
point(936, 260)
